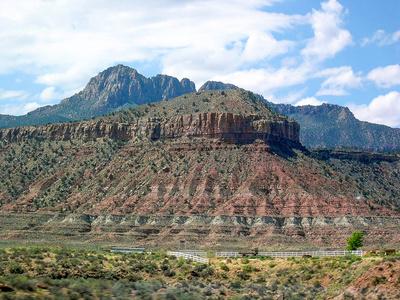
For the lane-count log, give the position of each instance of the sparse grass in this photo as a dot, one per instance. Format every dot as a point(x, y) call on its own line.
point(64, 272)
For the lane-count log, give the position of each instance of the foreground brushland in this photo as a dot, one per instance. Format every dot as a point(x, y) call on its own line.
point(48, 273)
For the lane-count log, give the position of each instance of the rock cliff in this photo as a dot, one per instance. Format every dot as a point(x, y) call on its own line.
point(226, 126)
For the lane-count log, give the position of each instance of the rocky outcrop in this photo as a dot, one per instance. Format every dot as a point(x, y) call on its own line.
point(226, 126)
point(120, 85)
point(217, 85)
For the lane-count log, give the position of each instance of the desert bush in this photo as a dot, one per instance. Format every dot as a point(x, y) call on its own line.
point(249, 268)
point(16, 268)
point(224, 267)
point(245, 260)
point(208, 271)
point(378, 280)
point(169, 273)
point(83, 288)
point(243, 276)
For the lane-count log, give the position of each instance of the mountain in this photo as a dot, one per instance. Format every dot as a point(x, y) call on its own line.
point(209, 167)
point(329, 125)
point(121, 87)
point(114, 89)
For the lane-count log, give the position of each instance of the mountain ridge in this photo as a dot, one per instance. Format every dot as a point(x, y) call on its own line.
point(330, 125)
point(121, 87)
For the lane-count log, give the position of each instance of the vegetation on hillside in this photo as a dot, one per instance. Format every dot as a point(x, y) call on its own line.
point(236, 101)
point(75, 175)
point(63, 273)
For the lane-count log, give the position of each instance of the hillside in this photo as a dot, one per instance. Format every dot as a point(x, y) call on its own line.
point(209, 166)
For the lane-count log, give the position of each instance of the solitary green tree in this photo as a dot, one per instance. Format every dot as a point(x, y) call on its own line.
point(355, 241)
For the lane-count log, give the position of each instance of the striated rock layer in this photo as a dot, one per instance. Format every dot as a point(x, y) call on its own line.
point(207, 232)
point(225, 126)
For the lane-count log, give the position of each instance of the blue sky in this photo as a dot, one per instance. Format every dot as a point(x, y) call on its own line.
point(300, 52)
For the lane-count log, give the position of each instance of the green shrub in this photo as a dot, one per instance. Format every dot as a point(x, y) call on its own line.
point(355, 241)
point(224, 267)
point(378, 280)
point(23, 283)
point(249, 268)
point(169, 273)
point(243, 276)
point(16, 268)
point(245, 260)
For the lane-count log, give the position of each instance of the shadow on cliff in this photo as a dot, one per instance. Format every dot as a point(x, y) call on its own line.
point(286, 149)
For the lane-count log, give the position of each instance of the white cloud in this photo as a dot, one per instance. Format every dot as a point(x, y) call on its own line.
point(18, 95)
point(384, 109)
point(309, 101)
point(17, 108)
point(64, 43)
point(261, 45)
point(382, 38)
point(385, 77)
point(338, 80)
point(329, 38)
point(50, 94)
point(30, 106)
point(265, 81)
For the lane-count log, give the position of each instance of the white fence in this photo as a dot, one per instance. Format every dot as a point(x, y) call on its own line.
point(189, 256)
point(296, 253)
point(194, 252)
point(226, 254)
point(127, 249)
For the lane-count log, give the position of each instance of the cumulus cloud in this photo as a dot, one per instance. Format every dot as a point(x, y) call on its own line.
point(329, 36)
point(339, 79)
point(50, 94)
point(29, 107)
point(262, 45)
point(17, 108)
point(385, 77)
point(19, 95)
point(382, 38)
point(264, 81)
point(384, 109)
point(309, 101)
point(65, 43)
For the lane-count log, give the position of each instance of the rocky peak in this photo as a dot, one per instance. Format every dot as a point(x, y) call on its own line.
point(116, 88)
point(217, 85)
